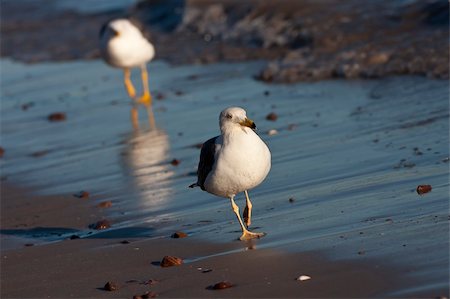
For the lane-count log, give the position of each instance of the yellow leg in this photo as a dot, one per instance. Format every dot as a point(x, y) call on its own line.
point(246, 234)
point(146, 98)
point(248, 210)
point(128, 84)
point(151, 117)
point(134, 118)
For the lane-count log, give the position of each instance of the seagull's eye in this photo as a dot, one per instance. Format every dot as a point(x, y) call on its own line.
point(229, 116)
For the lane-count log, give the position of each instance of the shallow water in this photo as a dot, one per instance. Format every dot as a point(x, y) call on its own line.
point(339, 153)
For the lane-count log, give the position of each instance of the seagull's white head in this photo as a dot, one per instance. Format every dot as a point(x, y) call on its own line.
point(234, 117)
point(119, 28)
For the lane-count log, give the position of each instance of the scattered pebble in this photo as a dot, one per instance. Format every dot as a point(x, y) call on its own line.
point(105, 204)
point(445, 160)
point(111, 286)
point(149, 294)
point(27, 105)
point(422, 189)
point(29, 244)
point(99, 225)
point(169, 261)
point(192, 77)
point(73, 237)
point(221, 285)
point(40, 153)
point(292, 127)
point(179, 235)
point(266, 93)
point(272, 116)
point(57, 116)
point(175, 162)
point(179, 93)
point(361, 252)
point(2, 152)
point(303, 277)
point(82, 194)
point(160, 96)
point(125, 242)
point(272, 132)
point(291, 199)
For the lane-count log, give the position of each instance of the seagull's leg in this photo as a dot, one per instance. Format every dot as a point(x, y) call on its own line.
point(248, 210)
point(132, 94)
point(246, 234)
point(146, 98)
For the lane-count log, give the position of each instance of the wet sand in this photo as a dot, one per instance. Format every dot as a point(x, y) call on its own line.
point(81, 267)
point(340, 203)
point(350, 154)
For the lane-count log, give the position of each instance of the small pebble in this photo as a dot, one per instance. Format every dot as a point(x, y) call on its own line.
point(292, 127)
point(2, 152)
point(82, 194)
point(149, 294)
point(291, 199)
point(57, 116)
point(111, 286)
point(169, 261)
point(73, 237)
point(175, 162)
point(105, 204)
point(179, 235)
point(222, 285)
point(272, 132)
point(272, 116)
point(99, 225)
point(422, 189)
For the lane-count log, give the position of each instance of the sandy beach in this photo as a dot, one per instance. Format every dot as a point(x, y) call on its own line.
point(340, 204)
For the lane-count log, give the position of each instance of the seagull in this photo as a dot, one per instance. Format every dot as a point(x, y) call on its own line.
point(233, 162)
point(124, 45)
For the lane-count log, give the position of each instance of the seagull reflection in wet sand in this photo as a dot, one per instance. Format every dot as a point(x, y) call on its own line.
point(123, 44)
point(234, 162)
point(145, 163)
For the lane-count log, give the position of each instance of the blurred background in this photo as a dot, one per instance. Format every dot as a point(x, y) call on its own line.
point(302, 40)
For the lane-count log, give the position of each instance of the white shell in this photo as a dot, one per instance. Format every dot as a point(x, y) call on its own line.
point(272, 132)
point(303, 277)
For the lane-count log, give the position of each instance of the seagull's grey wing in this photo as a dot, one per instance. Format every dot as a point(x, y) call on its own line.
point(206, 163)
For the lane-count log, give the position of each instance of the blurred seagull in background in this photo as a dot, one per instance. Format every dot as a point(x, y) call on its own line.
point(234, 162)
point(124, 45)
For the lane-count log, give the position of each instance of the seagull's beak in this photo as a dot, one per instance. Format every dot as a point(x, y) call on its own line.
point(248, 123)
point(115, 33)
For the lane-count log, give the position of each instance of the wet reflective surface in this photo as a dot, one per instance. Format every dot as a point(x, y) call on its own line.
point(349, 154)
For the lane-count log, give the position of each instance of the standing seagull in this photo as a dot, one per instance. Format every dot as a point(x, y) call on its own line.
point(234, 162)
point(124, 45)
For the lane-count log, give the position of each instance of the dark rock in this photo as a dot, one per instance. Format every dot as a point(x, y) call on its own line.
point(178, 235)
point(99, 225)
point(82, 194)
point(111, 286)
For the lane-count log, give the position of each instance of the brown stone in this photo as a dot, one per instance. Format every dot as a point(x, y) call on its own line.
point(422, 189)
point(105, 204)
point(111, 286)
point(179, 235)
point(222, 285)
point(57, 116)
point(272, 116)
point(169, 261)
